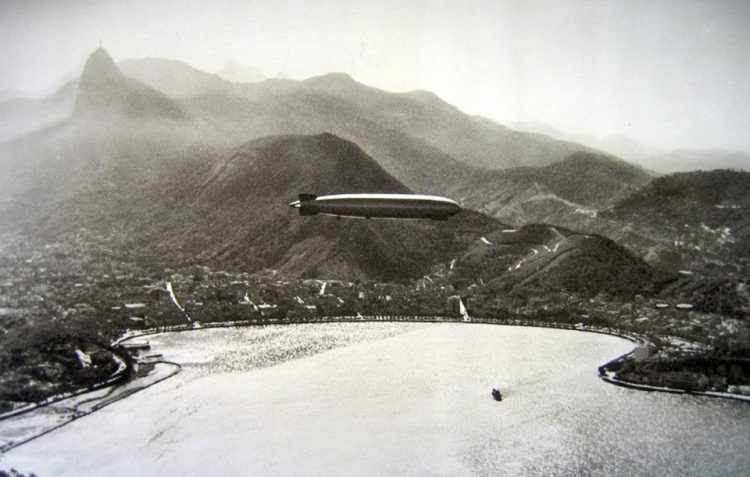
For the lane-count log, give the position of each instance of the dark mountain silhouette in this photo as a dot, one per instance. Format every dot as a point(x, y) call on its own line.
point(323, 163)
point(693, 220)
point(232, 212)
point(683, 195)
point(566, 193)
point(240, 217)
point(542, 257)
point(176, 178)
point(397, 130)
point(229, 209)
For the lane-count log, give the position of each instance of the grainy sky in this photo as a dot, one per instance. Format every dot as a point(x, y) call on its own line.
point(666, 73)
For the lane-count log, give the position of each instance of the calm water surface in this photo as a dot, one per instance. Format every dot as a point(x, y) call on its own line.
point(407, 399)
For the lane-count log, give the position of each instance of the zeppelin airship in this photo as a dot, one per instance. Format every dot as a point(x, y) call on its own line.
point(400, 206)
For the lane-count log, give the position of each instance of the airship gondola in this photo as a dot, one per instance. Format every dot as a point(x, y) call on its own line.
point(400, 206)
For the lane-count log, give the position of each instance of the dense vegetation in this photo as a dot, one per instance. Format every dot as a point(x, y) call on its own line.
point(40, 359)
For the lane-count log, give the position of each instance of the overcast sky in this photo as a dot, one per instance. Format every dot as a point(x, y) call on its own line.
point(667, 73)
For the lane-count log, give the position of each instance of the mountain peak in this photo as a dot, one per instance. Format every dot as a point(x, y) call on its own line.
point(104, 89)
point(320, 164)
point(100, 67)
point(100, 81)
point(245, 197)
point(332, 80)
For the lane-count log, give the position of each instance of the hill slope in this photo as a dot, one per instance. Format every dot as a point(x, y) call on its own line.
point(695, 219)
point(103, 89)
point(566, 193)
point(244, 200)
point(174, 78)
point(474, 141)
point(423, 141)
point(169, 175)
point(543, 258)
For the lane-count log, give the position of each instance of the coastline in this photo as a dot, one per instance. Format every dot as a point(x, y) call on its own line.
point(118, 374)
point(604, 373)
point(641, 341)
point(414, 403)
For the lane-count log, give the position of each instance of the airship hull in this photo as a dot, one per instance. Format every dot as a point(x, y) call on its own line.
point(400, 206)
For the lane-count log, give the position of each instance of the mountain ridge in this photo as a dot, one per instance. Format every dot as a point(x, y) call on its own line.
point(477, 142)
point(143, 152)
point(104, 89)
point(694, 220)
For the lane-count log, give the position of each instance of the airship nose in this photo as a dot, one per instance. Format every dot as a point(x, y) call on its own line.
point(295, 204)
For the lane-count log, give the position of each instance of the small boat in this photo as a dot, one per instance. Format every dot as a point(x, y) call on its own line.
point(496, 394)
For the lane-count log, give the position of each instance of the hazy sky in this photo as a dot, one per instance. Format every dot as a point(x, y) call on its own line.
point(667, 73)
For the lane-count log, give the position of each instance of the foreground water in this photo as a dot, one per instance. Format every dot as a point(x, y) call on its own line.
point(383, 399)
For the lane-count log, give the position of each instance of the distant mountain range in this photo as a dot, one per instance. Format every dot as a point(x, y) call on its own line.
point(136, 177)
point(616, 144)
point(174, 78)
point(686, 160)
point(421, 115)
point(423, 141)
point(562, 193)
point(186, 167)
point(244, 199)
point(651, 158)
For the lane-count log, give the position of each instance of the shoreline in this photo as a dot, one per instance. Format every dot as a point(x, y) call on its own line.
point(639, 340)
point(603, 373)
point(417, 402)
point(117, 375)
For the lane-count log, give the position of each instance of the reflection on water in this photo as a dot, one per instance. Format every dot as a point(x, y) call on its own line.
point(408, 399)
